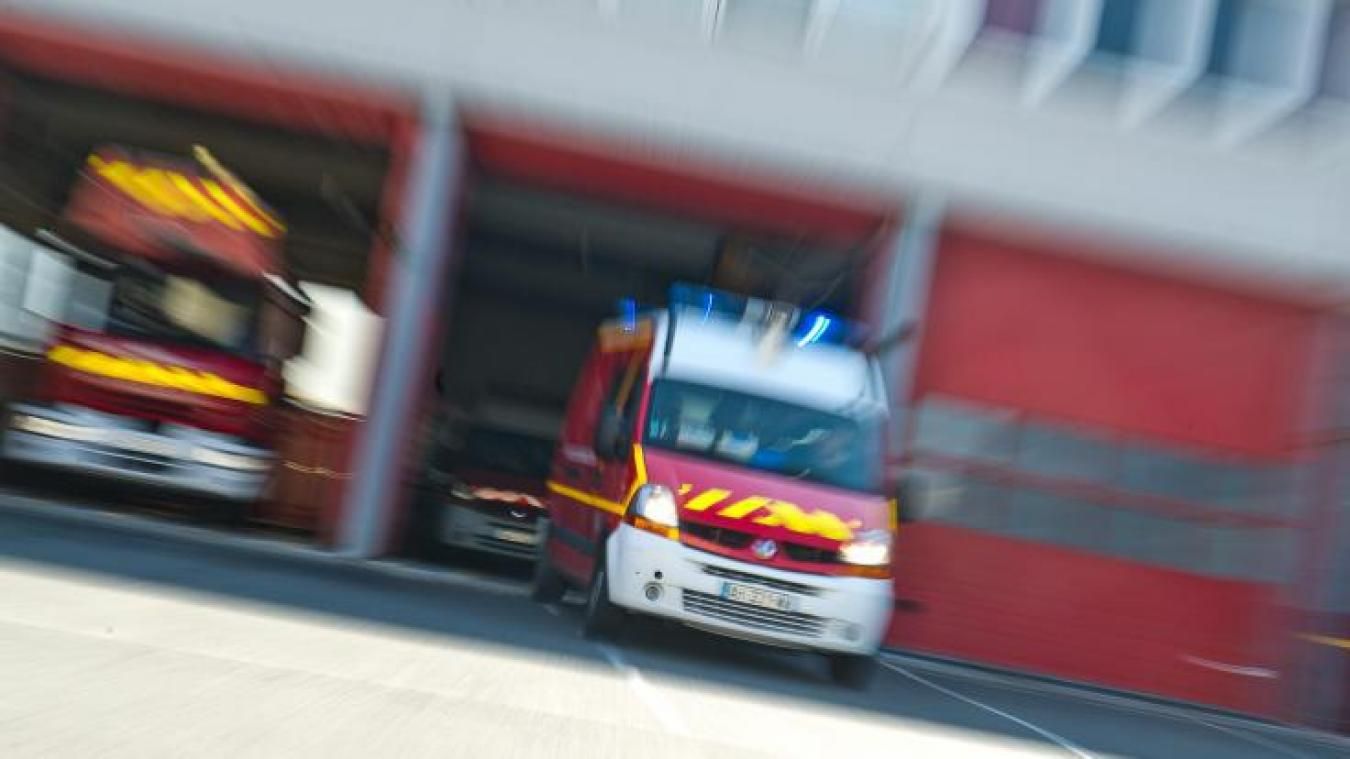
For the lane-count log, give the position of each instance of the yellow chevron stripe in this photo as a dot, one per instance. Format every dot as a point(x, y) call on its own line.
point(707, 499)
point(744, 507)
point(204, 203)
point(227, 202)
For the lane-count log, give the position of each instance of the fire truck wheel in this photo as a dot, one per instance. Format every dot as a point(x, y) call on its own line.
point(852, 671)
point(601, 619)
point(548, 586)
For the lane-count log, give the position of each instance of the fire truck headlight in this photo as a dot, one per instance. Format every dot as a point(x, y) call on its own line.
point(654, 510)
point(870, 549)
point(51, 428)
point(212, 457)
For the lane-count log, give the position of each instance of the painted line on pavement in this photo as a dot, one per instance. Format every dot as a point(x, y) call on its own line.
point(1055, 738)
point(660, 708)
point(1124, 702)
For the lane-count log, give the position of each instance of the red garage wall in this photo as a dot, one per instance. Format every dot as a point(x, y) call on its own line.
point(1137, 359)
point(1079, 341)
point(1044, 609)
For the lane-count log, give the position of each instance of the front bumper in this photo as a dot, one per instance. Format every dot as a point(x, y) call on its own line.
point(97, 445)
point(492, 530)
point(833, 614)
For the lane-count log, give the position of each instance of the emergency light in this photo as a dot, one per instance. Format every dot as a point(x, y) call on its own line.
point(812, 327)
point(706, 303)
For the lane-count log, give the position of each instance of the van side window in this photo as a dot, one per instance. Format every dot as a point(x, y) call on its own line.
point(615, 422)
point(625, 390)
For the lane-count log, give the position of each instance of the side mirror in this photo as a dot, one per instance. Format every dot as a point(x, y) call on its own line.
point(611, 434)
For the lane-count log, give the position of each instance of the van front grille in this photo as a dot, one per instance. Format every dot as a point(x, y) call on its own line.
point(753, 617)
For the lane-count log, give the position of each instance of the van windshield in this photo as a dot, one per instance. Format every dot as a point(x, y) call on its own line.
point(216, 313)
point(766, 434)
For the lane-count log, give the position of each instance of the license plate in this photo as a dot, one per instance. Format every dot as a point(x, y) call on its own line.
point(760, 597)
point(515, 536)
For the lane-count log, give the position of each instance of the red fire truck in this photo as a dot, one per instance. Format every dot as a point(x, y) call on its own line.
point(720, 466)
point(165, 373)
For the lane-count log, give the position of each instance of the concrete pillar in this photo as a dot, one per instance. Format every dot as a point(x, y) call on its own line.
point(905, 303)
point(413, 304)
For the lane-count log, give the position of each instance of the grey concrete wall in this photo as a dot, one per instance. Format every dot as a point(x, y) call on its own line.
point(1273, 208)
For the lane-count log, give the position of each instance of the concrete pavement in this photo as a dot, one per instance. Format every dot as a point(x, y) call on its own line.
point(120, 642)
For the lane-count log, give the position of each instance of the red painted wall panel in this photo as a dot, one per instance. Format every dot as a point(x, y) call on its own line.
point(139, 67)
point(1029, 606)
point(1080, 341)
point(583, 163)
point(1163, 359)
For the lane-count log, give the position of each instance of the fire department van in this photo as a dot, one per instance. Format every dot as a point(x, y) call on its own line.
point(719, 466)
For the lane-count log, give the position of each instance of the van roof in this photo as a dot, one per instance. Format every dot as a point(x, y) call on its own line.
point(727, 353)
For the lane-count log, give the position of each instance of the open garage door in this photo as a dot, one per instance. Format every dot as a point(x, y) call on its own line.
point(542, 267)
point(329, 192)
point(1105, 475)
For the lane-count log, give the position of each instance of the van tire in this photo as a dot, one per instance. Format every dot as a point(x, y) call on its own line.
point(601, 617)
point(547, 586)
point(852, 671)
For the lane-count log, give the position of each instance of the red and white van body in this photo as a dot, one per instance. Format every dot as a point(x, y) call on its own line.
point(756, 554)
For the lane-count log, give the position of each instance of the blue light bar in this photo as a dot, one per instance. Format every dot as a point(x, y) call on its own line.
point(814, 327)
point(708, 302)
point(628, 312)
point(821, 327)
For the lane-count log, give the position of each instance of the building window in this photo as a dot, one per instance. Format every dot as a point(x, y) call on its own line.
point(1015, 16)
point(1154, 539)
point(1224, 485)
point(765, 25)
point(1249, 41)
point(1336, 61)
point(1118, 27)
point(678, 16)
point(1249, 553)
point(952, 498)
point(1064, 453)
point(1011, 474)
point(967, 431)
point(1057, 519)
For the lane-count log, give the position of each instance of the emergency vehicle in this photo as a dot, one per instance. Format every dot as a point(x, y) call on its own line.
point(163, 371)
point(486, 494)
point(720, 466)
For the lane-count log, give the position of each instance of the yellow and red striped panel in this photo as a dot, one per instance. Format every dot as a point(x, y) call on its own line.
point(190, 197)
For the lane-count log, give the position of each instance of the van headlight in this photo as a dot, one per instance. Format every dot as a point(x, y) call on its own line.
point(654, 510)
point(223, 460)
point(51, 428)
point(869, 549)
